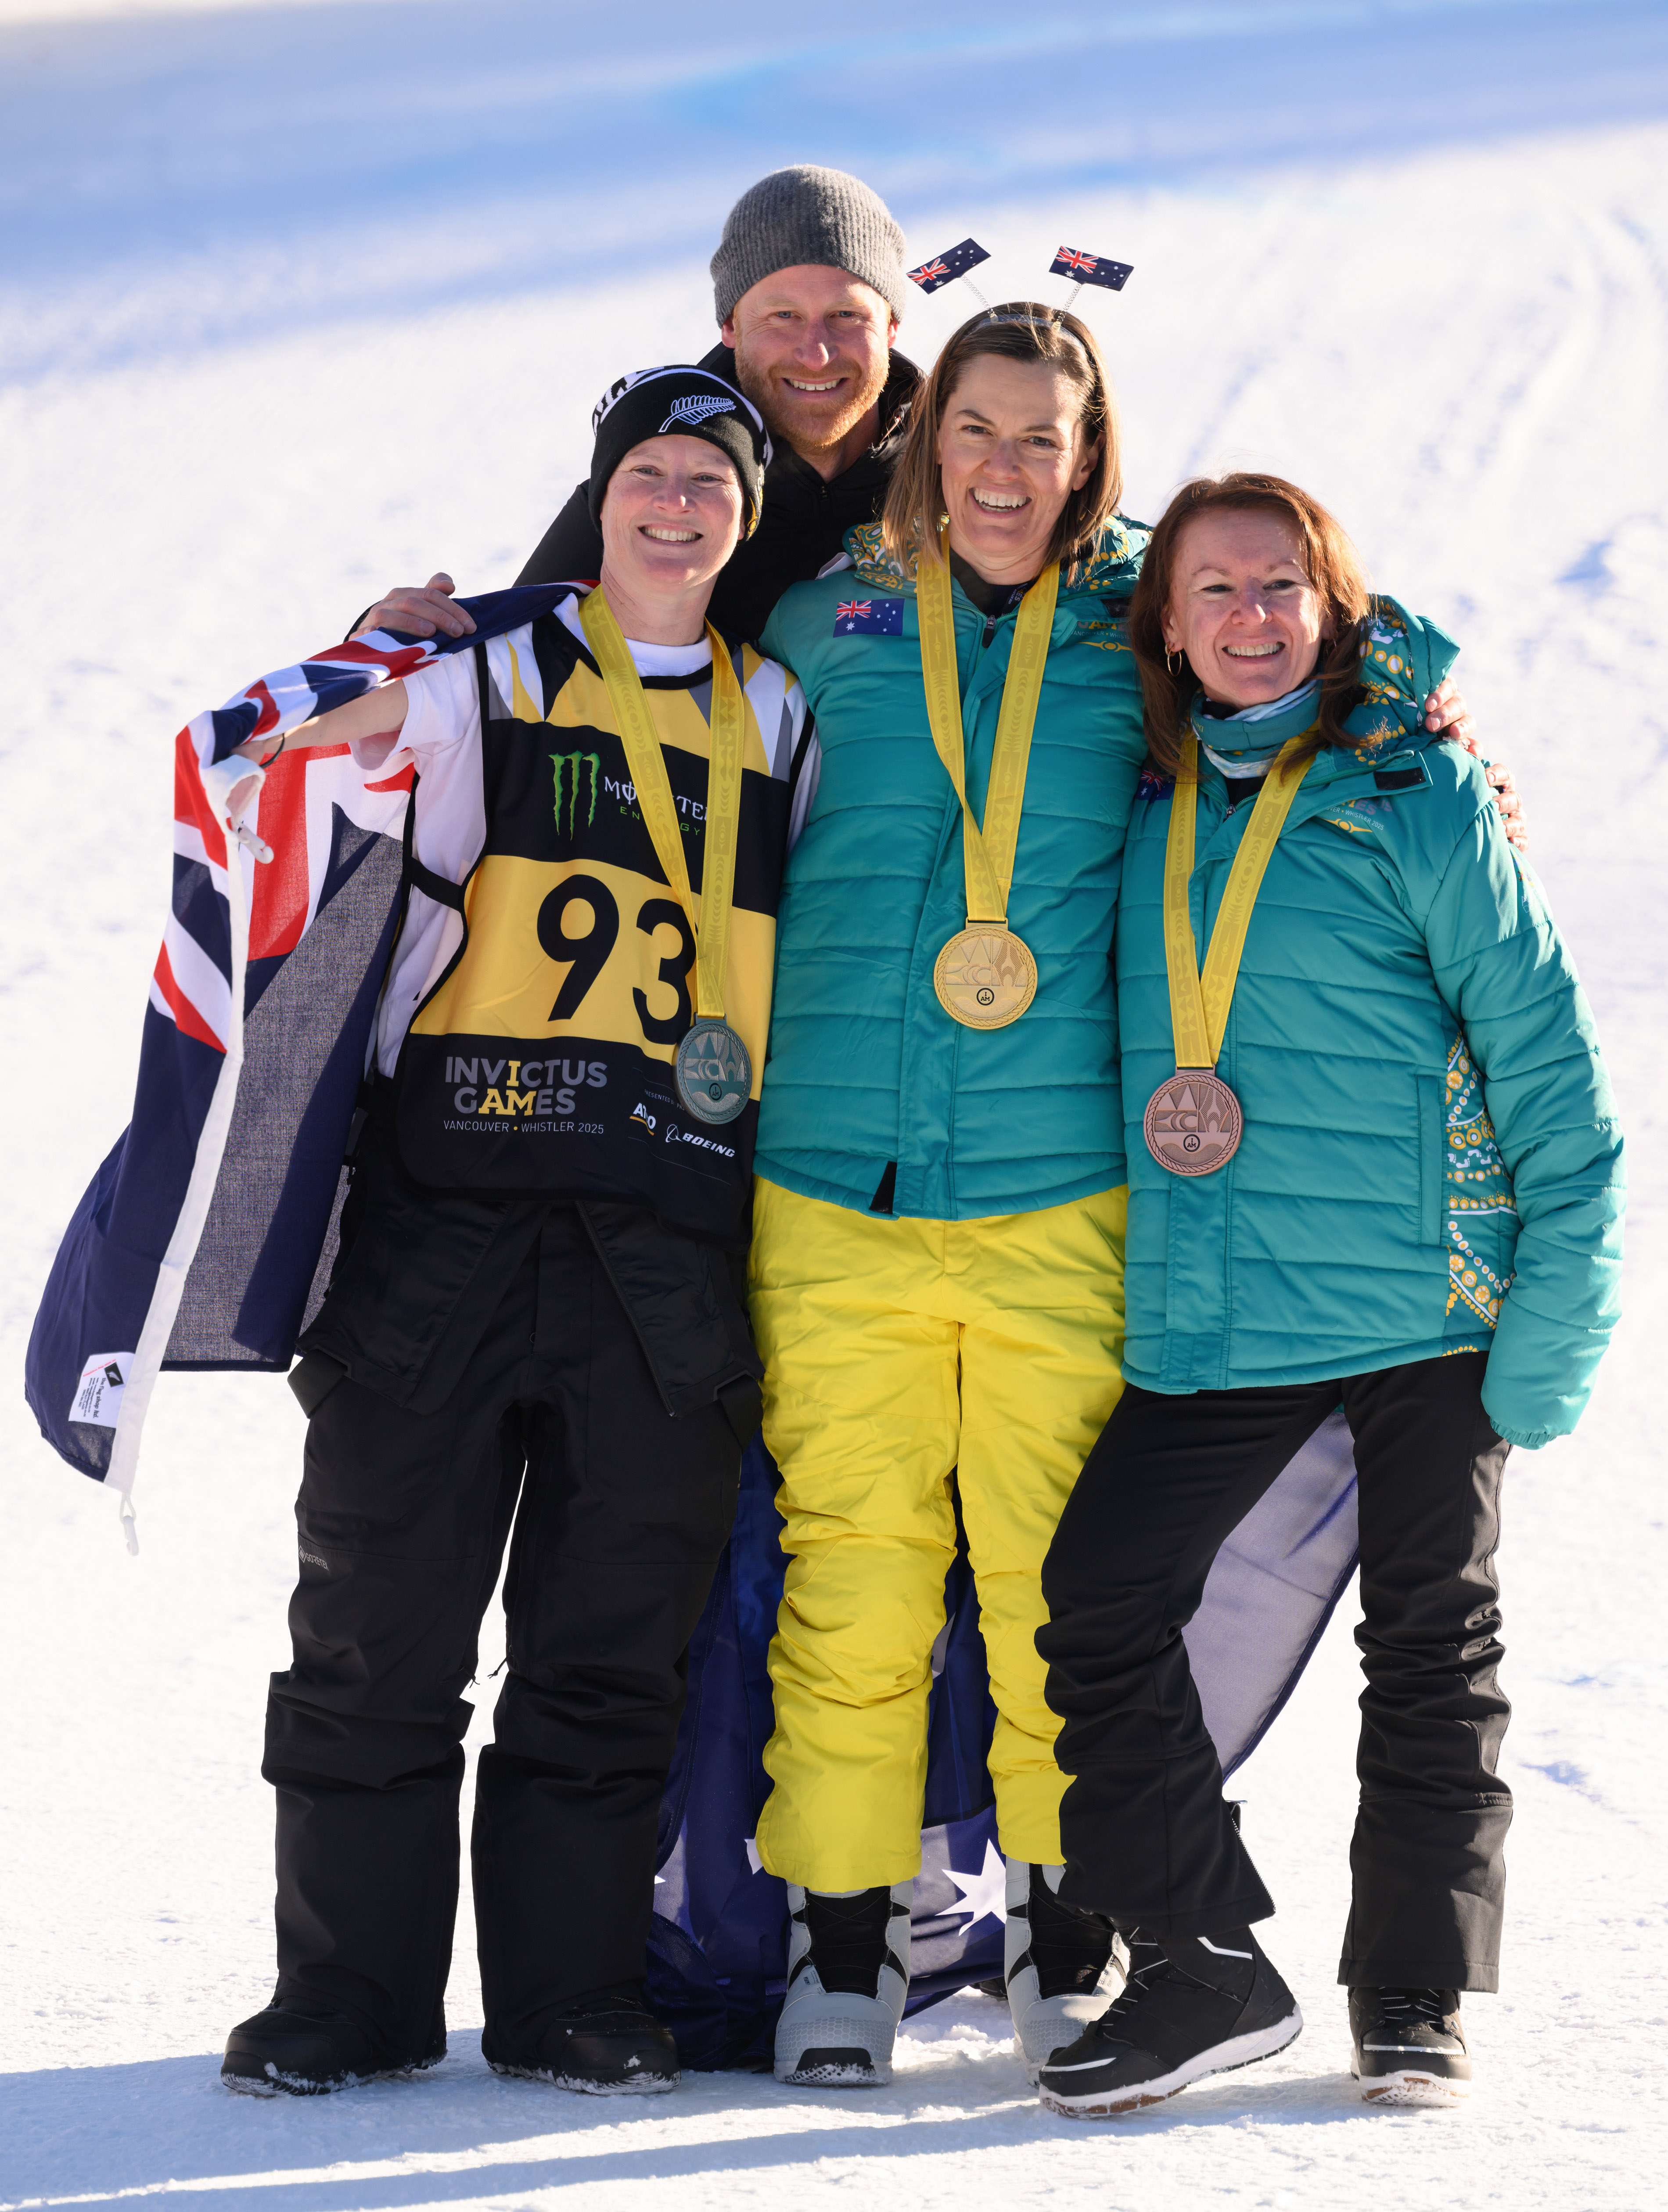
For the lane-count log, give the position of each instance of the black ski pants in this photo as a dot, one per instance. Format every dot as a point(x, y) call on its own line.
point(1147, 1836)
point(557, 1440)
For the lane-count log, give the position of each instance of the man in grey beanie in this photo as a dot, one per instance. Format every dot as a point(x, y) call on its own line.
point(809, 285)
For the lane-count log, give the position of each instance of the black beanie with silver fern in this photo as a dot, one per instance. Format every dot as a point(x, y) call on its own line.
point(682, 401)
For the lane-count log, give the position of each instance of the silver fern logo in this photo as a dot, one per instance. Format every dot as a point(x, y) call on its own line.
point(695, 407)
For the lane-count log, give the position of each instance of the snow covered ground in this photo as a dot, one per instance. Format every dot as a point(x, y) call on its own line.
point(296, 302)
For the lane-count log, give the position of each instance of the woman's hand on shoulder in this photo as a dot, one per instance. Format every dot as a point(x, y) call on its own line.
point(1446, 712)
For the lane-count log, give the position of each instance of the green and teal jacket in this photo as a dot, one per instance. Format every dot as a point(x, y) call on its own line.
point(873, 1097)
point(1431, 1160)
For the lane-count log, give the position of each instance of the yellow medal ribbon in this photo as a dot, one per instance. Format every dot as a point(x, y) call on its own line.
point(647, 764)
point(1193, 1121)
point(1198, 1005)
point(985, 976)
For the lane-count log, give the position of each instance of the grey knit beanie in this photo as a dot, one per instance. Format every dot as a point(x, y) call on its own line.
point(809, 215)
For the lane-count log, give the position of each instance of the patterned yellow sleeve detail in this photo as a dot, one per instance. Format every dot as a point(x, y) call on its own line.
point(1478, 1184)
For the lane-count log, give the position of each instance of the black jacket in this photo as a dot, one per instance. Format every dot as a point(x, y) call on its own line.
point(804, 521)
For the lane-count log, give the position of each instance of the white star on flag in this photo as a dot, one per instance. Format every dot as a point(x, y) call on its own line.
point(984, 1893)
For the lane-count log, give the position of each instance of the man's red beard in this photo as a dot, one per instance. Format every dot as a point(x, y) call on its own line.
point(804, 428)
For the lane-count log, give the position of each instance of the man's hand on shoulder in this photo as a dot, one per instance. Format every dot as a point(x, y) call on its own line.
point(1446, 712)
point(419, 613)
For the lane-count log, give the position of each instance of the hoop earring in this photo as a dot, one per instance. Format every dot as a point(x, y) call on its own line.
point(1173, 661)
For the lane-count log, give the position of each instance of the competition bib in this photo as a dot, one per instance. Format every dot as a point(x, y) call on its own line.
point(599, 1028)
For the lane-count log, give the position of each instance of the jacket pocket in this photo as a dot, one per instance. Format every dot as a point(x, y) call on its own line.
point(1433, 1162)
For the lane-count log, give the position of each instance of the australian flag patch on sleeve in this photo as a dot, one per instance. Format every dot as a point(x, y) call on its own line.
point(869, 618)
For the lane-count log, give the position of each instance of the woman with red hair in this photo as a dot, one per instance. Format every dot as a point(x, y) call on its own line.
point(1375, 1164)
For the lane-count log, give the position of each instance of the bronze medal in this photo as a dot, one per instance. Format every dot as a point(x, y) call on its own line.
point(1193, 1123)
point(985, 976)
point(714, 1072)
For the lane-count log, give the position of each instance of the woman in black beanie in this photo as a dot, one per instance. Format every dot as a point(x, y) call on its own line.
point(534, 1332)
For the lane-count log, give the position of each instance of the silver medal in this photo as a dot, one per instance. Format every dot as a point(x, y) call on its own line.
point(714, 1072)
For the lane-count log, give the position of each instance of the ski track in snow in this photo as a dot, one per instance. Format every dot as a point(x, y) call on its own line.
point(271, 339)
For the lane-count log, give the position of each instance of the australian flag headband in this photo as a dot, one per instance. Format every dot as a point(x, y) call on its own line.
point(1070, 261)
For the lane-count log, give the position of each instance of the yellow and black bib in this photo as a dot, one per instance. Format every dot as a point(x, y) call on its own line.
point(540, 1063)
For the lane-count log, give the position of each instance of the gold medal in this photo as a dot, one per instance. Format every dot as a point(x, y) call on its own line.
point(1194, 1122)
point(985, 976)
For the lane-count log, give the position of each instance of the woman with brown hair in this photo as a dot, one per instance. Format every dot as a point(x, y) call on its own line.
point(939, 1208)
point(1373, 1165)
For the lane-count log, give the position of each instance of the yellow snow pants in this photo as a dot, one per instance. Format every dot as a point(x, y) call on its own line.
point(899, 1356)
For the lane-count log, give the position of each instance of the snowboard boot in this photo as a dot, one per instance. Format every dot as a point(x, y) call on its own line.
point(1193, 2005)
point(848, 1975)
point(1408, 2047)
point(605, 2044)
point(1064, 1965)
point(299, 2050)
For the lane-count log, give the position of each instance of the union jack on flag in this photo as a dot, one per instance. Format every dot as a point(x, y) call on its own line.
point(944, 268)
point(1090, 268)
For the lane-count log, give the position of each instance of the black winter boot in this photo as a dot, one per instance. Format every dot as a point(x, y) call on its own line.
point(1408, 2046)
point(1193, 2005)
point(296, 2049)
point(605, 2044)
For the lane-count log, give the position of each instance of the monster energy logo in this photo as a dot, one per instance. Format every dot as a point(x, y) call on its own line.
point(578, 762)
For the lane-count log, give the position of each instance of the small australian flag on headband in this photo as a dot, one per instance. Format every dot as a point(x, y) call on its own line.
point(1090, 268)
point(869, 618)
point(944, 268)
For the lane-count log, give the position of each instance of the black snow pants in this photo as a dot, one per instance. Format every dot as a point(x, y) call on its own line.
point(556, 1439)
point(1147, 1836)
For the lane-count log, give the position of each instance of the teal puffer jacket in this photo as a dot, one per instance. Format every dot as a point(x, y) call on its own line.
point(866, 1070)
point(1431, 1160)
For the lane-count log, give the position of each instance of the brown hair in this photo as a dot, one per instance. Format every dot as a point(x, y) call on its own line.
point(1331, 564)
point(1023, 331)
